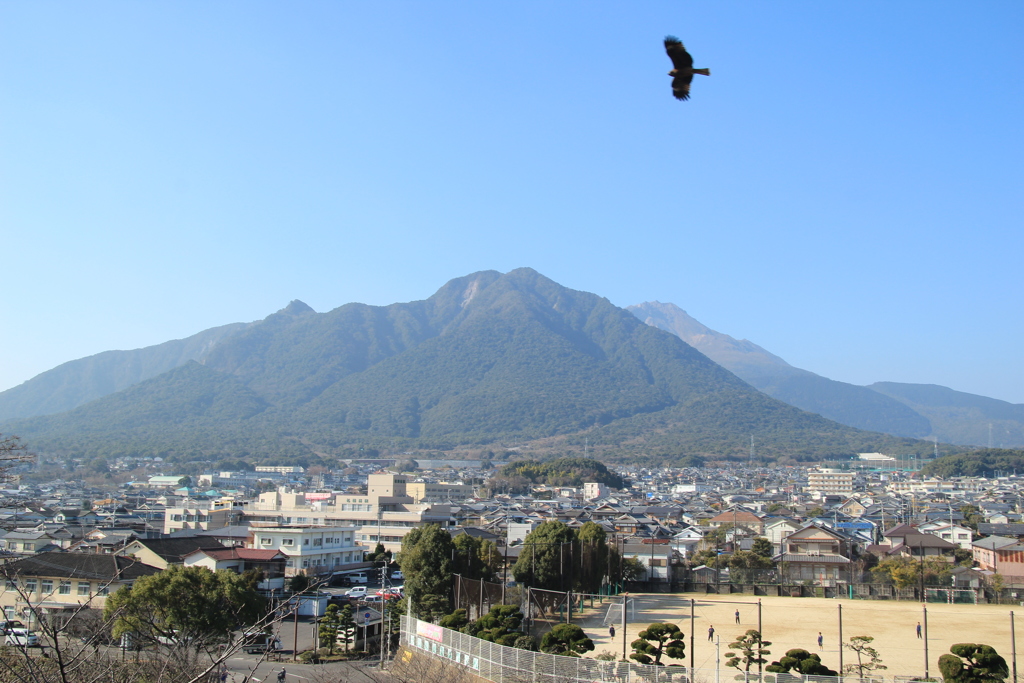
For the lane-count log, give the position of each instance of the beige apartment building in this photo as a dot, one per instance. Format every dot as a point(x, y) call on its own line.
point(830, 482)
point(385, 513)
point(58, 582)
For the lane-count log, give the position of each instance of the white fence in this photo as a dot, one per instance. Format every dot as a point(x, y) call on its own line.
point(502, 664)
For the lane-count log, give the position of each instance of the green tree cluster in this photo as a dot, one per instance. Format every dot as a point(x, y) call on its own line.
point(657, 640)
point(751, 650)
point(973, 663)
point(186, 605)
point(426, 563)
point(801, 661)
point(566, 639)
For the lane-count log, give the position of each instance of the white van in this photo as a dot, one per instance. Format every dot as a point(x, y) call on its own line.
point(359, 577)
point(18, 634)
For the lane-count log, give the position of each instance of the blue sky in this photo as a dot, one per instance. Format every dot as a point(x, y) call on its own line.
point(845, 189)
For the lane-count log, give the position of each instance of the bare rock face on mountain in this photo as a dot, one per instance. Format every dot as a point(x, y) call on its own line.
point(847, 404)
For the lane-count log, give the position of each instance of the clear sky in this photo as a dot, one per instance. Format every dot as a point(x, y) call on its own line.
point(845, 190)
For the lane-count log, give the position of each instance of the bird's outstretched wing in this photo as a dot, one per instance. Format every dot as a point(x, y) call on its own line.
point(681, 59)
point(681, 86)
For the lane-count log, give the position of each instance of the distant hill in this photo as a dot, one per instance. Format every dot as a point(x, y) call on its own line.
point(958, 417)
point(487, 359)
point(71, 384)
point(847, 404)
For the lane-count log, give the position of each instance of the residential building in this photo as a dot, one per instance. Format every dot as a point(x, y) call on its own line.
point(828, 481)
point(594, 491)
point(815, 553)
point(239, 560)
point(312, 550)
point(1001, 555)
point(61, 582)
point(202, 516)
point(163, 552)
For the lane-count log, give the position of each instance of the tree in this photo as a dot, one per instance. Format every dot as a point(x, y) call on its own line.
point(541, 563)
point(802, 661)
point(657, 640)
point(298, 583)
point(185, 605)
point(500, 625)
point(346, 626)
point(426, 562)
point(752, 650)
point(566, 639)
point(473, 558)
point(593, 557)
point(329, 628)
point(12, 452)
point(862, 646)
point(973, 663)
point(455, 621)
point(431, 607)
point(633, 569)
point(743, 565)
point(762, 547)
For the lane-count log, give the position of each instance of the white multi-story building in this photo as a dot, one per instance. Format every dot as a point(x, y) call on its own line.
point(312, 550)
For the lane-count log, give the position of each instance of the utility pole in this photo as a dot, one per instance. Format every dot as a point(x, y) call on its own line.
point(925, 642)
point(840, 639)
point(1013, 647)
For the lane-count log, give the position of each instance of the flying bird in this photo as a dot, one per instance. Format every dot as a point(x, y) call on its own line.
point(683, 70)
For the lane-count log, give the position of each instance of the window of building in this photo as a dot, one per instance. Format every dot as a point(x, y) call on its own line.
point(104, 589)
point(305, 541)
point(83, 587)
point(266, 540)
point(65, 588)
point(46, 586)
point(288, 541)
point(30, 585)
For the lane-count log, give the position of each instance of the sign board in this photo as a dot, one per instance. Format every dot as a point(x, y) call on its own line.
point(432, 631)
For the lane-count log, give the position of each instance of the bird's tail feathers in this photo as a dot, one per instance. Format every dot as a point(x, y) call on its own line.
point(705, 72)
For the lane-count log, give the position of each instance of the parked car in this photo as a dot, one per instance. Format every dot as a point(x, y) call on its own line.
point(387, 594)
point(357, 592)
point(16, 633)
point(397, 575)
point(358, 577)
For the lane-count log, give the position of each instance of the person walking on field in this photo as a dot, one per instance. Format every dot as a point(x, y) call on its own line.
point(711, 632)
point(611, 631)
point(737, 616)
point(820, 640)
point(919, 629)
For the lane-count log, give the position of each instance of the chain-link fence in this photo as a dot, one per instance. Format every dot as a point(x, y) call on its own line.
point(501, 664)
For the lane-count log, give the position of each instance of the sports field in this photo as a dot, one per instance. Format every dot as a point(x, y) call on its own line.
point(795, 622)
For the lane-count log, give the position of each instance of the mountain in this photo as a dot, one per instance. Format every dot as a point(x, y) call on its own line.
point(959, 417)
point(847, 404)
point(911, 410)
point(79, 381)
point(490, 357)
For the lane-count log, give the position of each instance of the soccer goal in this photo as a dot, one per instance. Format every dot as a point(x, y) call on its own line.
point(952, 595)
point(613, 617)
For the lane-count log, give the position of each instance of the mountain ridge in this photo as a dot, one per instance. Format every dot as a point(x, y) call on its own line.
point(488, 357)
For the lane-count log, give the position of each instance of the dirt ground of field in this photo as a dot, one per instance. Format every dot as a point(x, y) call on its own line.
point(795, 622)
